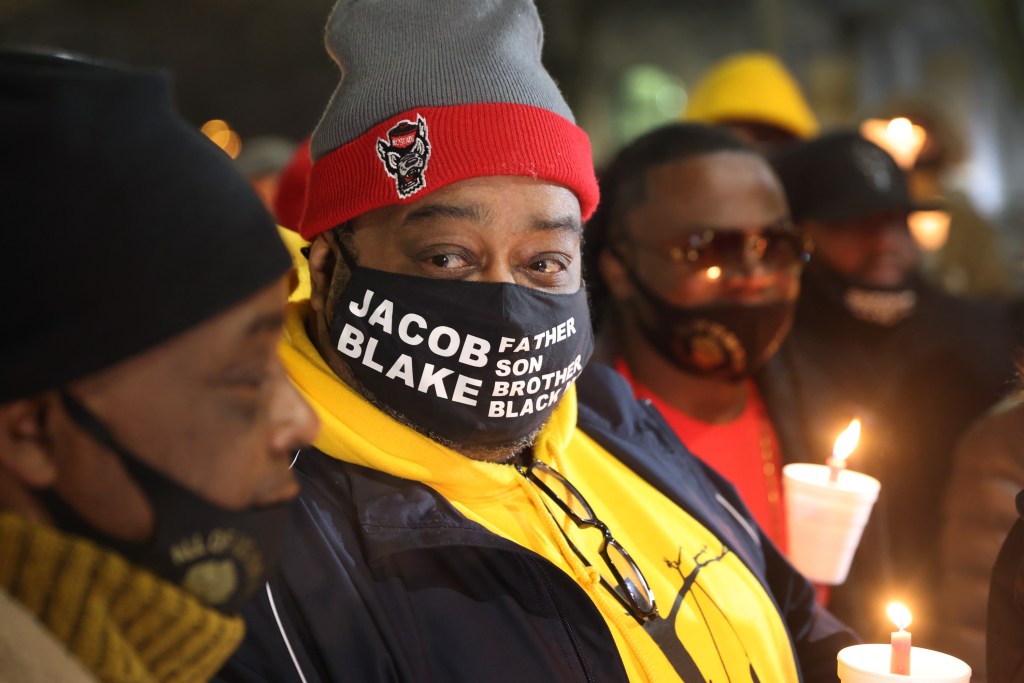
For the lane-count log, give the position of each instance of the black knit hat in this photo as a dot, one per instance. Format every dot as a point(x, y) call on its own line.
point(841, 176)
point(122, 225)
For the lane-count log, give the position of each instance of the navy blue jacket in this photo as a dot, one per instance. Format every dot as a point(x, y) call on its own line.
point(383, 580)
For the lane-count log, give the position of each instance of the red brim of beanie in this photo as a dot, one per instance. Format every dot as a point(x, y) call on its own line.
point(465, 141)
point(291, 188)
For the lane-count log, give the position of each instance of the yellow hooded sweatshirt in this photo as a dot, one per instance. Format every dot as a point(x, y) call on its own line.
point(708, 600)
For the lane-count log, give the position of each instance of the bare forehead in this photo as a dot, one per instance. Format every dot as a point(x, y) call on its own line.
point(486, 200)
point(719, 171)
point(722, 190)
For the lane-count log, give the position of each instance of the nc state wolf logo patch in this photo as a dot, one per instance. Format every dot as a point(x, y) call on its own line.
point(405, 155)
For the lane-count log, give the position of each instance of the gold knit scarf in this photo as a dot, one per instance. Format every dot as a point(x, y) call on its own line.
point(122, 623)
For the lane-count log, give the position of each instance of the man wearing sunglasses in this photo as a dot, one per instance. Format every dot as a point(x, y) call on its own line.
point(694, 269)
point(465, 517)
point(872, 340)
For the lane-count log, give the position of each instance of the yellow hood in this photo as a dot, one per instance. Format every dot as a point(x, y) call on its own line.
point(507, 504)
point(294, 243)
point(356, 431)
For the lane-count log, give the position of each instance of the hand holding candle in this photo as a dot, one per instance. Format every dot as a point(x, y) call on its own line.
point(899, 660)
point(845, 444)
point(826, 512)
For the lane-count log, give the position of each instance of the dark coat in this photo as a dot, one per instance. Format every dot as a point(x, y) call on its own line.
point(979, 512)
point(1005, 644)
point(917, 386)
point(384, 580)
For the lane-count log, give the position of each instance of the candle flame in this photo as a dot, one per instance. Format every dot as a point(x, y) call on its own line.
point(713, 273)
point(900, 137)
point(899, 613)
point(846, 442)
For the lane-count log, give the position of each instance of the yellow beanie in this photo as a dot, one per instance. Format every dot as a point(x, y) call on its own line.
point(755, 87)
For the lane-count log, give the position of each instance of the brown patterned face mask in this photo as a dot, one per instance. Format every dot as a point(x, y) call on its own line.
point(725, 340)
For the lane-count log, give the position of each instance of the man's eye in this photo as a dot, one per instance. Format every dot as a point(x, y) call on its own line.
point(448, 261)
point(248, 382)
point(248, 377)
point(548, 265)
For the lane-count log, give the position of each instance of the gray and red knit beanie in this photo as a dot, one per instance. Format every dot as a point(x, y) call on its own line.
point(433, 92)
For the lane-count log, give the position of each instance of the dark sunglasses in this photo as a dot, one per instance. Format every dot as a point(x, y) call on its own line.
point(773, 247)
point(632, 590)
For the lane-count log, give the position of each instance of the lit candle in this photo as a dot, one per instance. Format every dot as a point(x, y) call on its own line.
point(899, 660)
point(846, 442)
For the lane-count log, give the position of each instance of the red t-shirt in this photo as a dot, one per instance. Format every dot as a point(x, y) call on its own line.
point(744, 450)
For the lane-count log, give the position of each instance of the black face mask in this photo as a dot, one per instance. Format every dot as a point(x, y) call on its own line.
point(723, 340)
point(221, 556)
point(467, 363)
point(879, 306)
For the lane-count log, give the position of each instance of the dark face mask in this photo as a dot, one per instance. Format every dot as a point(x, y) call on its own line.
point(467, 363)
point(221, 556)
point(880, 306)
point(721, 340)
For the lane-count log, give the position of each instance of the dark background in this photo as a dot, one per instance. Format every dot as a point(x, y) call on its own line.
point(624, 65)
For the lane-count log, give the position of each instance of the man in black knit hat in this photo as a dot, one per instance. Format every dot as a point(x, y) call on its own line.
point(146, 425)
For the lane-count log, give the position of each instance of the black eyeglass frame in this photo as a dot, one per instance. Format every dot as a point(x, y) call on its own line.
point(622, 592)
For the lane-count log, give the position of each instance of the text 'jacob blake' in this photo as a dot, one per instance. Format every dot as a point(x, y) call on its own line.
point(446, 342)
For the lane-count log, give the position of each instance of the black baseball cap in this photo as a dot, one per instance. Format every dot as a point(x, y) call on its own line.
point(841, 176)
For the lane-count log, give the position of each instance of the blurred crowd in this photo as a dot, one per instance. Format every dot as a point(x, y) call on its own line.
point(426, 396)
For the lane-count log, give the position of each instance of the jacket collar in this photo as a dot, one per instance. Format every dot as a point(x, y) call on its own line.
point(393, 515)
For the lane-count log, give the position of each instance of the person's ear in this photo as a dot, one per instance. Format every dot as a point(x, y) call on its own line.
point(26, 451)
point(614, 274)
point(323, 258)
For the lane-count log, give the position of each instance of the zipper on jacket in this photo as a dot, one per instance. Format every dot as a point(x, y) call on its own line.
point(561, 615)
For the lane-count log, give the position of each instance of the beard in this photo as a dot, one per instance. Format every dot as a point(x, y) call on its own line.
point(496, 453)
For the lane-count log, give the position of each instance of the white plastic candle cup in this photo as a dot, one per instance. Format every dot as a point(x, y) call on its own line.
point(825, 519)
point(870, 664)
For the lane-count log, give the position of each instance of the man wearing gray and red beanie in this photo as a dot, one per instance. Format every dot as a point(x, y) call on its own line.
point(471, 512)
